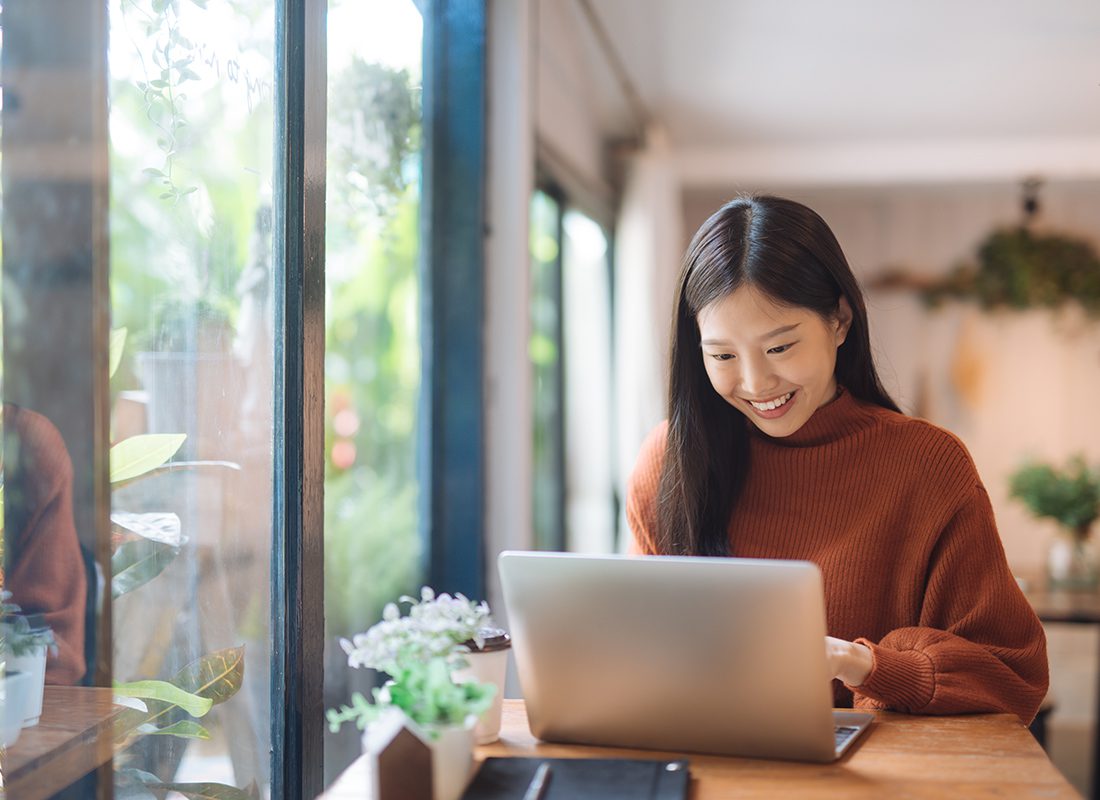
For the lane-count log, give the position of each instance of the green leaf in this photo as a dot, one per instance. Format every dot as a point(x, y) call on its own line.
point(217, 676)
point(137, 455)
point(186, 729)
point(194, 704)
point(136, 563)
point(158, 83)
point(204, 791)
point(118, 342)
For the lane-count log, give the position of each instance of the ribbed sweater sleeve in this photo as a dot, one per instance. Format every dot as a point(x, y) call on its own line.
point(978, 647)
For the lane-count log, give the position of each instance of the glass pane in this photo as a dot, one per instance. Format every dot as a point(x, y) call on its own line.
point(589, 480)
point(191, 165)
point(54, 307)
point(372, 361)
point(544, 349)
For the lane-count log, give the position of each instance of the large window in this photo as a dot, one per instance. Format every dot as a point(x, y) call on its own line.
point(234, 397)
point(570, 345)
point(372, 543)
point(190, 224)
point(548, 373)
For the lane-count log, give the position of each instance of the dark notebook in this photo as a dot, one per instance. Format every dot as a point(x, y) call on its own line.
point(582, 779)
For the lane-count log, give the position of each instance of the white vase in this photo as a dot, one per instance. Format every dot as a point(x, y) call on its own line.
point(488, 666)
point(33, 663)
point(1073, 563)
point(15, 694)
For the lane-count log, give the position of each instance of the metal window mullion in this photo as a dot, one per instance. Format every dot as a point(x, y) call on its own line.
point(452, 445)
point(297, 580)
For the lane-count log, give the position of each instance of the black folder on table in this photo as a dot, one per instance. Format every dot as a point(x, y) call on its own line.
point(582, 779)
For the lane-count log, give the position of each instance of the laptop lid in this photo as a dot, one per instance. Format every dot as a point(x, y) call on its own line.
point(707, 655)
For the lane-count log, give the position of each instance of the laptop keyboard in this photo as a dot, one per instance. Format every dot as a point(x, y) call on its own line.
point(843, 733)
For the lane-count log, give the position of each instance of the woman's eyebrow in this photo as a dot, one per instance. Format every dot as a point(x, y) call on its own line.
point(778, 331)
point(768, 335)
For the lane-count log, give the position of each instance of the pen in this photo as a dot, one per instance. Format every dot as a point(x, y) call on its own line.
point(536, 789)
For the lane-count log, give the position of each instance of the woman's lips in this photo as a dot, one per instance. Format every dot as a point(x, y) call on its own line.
point(775, 408)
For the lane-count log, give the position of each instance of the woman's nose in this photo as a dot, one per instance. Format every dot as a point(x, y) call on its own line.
point(757, 378)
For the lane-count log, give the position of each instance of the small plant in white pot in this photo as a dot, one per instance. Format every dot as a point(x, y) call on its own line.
point(420, 653)
point(23, 648)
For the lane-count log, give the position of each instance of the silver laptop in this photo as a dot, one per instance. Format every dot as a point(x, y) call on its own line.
point(704, 655)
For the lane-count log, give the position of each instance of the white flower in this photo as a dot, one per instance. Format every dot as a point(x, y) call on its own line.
point(437, 626)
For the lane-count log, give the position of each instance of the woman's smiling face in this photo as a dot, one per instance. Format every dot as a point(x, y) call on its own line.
point(773, 363)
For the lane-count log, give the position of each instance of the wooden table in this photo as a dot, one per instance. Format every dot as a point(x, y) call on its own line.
point(973, 756)
point(1073, 608)
point(73, 737)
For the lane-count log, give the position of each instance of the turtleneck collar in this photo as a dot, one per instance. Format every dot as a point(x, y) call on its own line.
point(842, 416)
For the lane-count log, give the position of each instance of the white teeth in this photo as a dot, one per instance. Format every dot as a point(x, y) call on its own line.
point(771, 405)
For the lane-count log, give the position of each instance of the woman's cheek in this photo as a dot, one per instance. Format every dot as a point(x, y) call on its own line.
point(720, 379)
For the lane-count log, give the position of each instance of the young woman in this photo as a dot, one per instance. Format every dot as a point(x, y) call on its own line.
point(782, 443)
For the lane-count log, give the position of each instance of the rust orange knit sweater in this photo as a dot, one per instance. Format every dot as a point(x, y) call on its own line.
point(45, 568)
point(892, 510)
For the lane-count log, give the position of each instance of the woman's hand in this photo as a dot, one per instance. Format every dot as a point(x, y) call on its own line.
point(848, 661)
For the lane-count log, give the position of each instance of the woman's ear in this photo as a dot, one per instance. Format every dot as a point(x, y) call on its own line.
point(843, 320)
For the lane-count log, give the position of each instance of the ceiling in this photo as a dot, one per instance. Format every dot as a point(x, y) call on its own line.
point(717, 73)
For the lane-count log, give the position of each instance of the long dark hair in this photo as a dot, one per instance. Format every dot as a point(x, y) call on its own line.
point(786, 251)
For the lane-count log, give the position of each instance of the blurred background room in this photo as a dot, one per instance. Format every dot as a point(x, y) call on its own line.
point(423, 253)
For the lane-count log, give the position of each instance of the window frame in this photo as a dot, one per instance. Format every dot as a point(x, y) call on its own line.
point(451, 446)
point(297, 564)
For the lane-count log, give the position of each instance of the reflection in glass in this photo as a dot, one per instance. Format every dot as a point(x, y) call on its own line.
point(43, 569)
point(191, 160)
point(372, 362)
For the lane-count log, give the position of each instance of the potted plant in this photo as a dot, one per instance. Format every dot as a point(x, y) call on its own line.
point(15, 696)
point(1071, 497)
point(24, 642)
point(420, 652)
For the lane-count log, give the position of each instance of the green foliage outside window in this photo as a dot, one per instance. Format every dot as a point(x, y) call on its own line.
point(372, 359)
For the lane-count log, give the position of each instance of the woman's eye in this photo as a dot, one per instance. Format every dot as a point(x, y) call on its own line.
point(721, 356)
point(783, 348)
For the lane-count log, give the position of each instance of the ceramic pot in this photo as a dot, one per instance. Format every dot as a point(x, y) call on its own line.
point(488, 664)
point(452, 760)
point(450, 752)
point(15, 693)
point(33, 663)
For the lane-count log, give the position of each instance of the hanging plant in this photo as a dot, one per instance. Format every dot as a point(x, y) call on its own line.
point(1018, 268)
